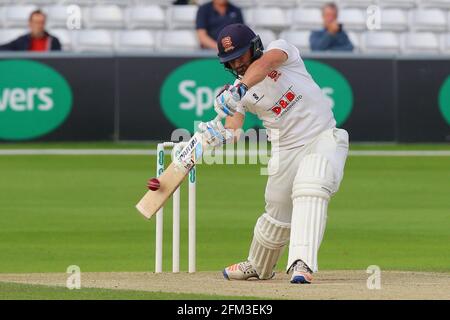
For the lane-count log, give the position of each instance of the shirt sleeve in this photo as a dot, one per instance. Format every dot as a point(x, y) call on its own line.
point(7, 46)
point(13, 45)
point(201, 21)
point(291, 51)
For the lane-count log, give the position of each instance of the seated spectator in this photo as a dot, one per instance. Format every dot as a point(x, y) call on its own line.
point(212, 17)
point(332, 37)
point(37, 40)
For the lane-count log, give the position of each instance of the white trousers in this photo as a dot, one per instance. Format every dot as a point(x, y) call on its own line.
point(283, 166)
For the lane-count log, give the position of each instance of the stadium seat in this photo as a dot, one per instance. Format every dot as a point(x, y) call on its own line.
point(245, 3)
point(56, 16)
point(356, 3)
point(170, 40)
point(394, 19)
point(247, 14)
point(64, 36)
point(445, 43)
point(307, 18)
point(38, 3)
point(104, 16)
point(114, 2)
point(267, 36)
point(428, 20)
point(353, 19)
point(380, 42)
point(93, 41)
point(145, 17)
point(420, 42)
point(407, 4)
point(134, 41)
point(162, 3)
point(8, 35)
point(270, 17)
point(355, 39)
point(300, 39)
point(77, 2)
point(180, 17)
point(17, 15)
point(312, 3)
point(443, 4)
point(277, 3)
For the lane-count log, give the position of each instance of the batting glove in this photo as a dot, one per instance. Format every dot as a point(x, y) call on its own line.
point(215, 134)
point(176, 151)
point(227, 101)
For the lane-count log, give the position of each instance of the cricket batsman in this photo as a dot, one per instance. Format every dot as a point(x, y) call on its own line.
point(309, 165)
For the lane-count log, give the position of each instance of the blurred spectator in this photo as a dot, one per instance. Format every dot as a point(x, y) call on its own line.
point(180, 2)
point(37, 39)
point(212, 17)
point(332, 37)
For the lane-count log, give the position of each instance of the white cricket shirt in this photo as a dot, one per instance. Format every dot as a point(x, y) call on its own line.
point(289, 102)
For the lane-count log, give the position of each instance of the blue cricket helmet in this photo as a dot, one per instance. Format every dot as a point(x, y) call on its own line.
point(234, 40)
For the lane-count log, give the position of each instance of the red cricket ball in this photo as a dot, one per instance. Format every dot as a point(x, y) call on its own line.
point(153, 184)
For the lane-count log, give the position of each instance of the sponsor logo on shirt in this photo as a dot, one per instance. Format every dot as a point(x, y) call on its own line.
point(285, 103)
point(257, 98)
point(274, 75)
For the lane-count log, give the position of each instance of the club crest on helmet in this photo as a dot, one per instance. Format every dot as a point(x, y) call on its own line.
point(227, 44)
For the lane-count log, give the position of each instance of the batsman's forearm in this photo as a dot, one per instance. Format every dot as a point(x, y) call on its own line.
point(257, 71)
point(235, 124)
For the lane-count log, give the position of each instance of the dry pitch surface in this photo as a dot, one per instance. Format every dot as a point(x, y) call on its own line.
point(327, 284)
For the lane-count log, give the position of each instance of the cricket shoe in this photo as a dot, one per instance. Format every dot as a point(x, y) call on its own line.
point(301, 272)
point(241, 271)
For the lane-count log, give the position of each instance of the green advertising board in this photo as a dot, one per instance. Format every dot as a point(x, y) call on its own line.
point(34, 99)
point(444, 100)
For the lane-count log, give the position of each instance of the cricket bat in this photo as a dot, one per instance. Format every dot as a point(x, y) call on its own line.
point(173, 176)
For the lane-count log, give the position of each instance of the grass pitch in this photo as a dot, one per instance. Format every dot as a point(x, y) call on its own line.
point(16, 291)
point(57, 211)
